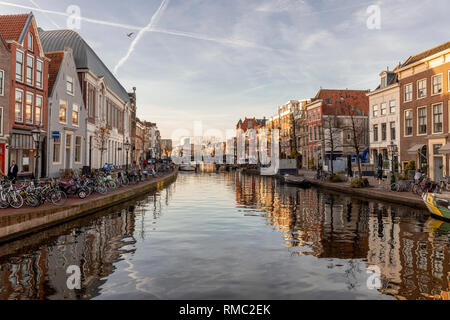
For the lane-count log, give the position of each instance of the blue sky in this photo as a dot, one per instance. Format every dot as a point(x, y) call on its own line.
point(217, 61)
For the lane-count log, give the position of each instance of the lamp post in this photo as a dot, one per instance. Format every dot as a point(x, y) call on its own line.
point(127, 148)
point(37, 134)
point(393, 150)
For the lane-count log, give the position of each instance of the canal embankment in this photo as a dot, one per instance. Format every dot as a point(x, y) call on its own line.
point(371, 193)
point(15, 224)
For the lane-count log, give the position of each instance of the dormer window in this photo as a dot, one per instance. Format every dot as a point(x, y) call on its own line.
point(383, 82)
point(30, 41)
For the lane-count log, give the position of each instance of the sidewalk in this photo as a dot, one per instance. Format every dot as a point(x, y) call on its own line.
point(15, 223)
point(375, 191)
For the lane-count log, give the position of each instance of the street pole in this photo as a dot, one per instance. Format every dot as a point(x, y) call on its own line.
point(36, 169)
point(127, 162)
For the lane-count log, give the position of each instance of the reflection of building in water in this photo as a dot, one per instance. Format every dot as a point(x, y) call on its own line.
point(414, 262)
point(42, 273)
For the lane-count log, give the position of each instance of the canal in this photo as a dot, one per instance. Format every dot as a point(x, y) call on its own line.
point(234, 236)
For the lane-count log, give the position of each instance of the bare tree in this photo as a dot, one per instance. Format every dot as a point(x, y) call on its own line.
point(357, 127)
point(101, 135)
point(332, 136)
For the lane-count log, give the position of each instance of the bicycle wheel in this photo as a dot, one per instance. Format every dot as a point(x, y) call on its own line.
point(32, 201)
point(15, 200)
point(101, 189)
point(125, 182)
point(58, 198)
point(4, 204)
point(82, 193)
point(395, 187)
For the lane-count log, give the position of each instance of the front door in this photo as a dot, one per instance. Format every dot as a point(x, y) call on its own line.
point(438, 168)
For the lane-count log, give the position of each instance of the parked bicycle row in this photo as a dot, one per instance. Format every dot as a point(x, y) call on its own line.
point(56, 191)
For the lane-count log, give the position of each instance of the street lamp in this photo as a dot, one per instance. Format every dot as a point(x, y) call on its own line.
point(38, 135)
point(127, 146)
point(393, 151)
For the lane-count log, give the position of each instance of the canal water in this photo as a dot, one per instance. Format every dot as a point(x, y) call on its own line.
point(234, 236)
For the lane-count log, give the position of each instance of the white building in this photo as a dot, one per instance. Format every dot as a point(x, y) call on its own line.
point(384, 117)
point(108, 103)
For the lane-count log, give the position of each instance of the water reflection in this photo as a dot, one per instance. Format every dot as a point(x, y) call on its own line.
point(218, 236)
point(411, 249)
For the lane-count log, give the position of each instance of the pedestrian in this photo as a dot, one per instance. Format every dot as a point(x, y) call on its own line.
point(417, 176)
point(13, 171)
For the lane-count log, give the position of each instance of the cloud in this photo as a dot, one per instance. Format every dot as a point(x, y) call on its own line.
point(153, 21)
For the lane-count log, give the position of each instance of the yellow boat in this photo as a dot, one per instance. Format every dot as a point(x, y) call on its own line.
point(438, 204)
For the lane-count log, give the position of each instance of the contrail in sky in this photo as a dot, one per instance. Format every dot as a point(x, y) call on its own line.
point(149, 27)
point(46, 15)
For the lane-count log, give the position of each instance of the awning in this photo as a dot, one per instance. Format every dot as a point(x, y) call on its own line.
point(445, 149)
point(416, 148)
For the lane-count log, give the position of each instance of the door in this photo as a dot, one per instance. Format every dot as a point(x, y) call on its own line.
point(438, 168)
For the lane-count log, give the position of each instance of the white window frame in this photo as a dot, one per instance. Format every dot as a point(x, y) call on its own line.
point(432, 84)
point(375, 108)
point(32, 107)
point(418, 121)
point(78, 114)
point(404, 120)
point(22, 68)
point(442, 115)
point(425, 88)
point(42, 106)
point(41, 73)
point(385, 109)
point(60, 153)
point(81, 150)
point(390, 107)
point(72, 93)
point(59, 111)
point(32, 71)
point(15, 101)
point(30, 47)
point(412, 92)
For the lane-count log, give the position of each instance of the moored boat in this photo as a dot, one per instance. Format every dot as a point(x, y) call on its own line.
point(438, 204)
point(187, 167)
point(297, 181)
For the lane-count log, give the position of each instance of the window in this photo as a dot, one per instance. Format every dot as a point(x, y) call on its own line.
point(30, 41)
point(2, 82)
point(422, 120)
point(392, 106)
point(408, 123)
point(375, 111)
point(19, 66)
point(318, 114)
point(437, 84)
point(408, 92)
point(19, 106)
point(29, 108)
point(310, 134)
point(39, 71)
point(375, 133)
point(315, 133)
point(383, 82)
point(63, 111)
point(421, 88)
point(30, 67)
point(437, 118)
point(57, 150)
point(38, 110)
point(75, 112)
point(69, 85)
point(392, 126)
point(77, 149)
point(383, 109)
point(383, 132)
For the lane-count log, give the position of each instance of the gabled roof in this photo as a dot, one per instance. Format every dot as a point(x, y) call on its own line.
point(427, 54)
point(85, 57)
point(13, 26)
point(53, 69)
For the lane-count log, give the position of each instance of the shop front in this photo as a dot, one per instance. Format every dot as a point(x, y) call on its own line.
point(22, 151)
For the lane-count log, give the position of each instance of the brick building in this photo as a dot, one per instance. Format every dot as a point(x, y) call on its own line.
point(28, 92)
point(342, 105)
point(424, 107)
point(5, 80)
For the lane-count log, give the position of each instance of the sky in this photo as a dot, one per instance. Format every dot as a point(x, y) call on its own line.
point(217, 61)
